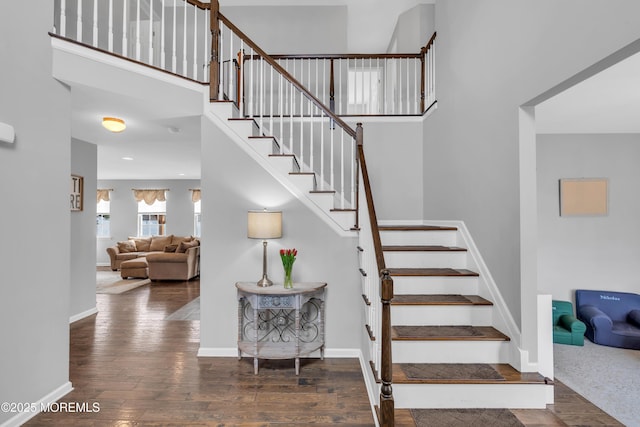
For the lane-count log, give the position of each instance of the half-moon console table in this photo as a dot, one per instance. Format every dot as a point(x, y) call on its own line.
point(279, 323)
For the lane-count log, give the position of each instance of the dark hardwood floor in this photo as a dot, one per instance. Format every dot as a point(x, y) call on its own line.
point(142, 370)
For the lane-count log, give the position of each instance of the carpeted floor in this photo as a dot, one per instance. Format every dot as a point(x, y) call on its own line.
point(608, 377)
point(110, 282)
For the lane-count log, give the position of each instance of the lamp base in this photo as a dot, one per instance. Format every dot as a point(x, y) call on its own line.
point(264, 282)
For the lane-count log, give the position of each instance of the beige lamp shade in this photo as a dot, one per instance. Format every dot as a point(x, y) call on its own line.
point(264, 225)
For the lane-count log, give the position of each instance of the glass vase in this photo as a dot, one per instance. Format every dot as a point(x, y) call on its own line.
point(288, 283)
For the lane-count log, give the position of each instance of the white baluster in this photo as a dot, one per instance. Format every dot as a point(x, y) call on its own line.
point(205, 42)
point(231, 66)
point(241, 78)
point(353, 172)
point(370, 73)
point(301, 121)
point(251, 86)
point(416, 86)
point(95, 23)
point(184, 39)
point(162, 33)
point(291, 102)
point(331, 163)
point(79, 22)
point(408, 110)
point(110, 31)
point(342, 169)
point(362, 110)
point(261, 93)
point(281, 100)
point(220, 52)
point(125, 42)
point(325, 98)
point(138, 44)
point(312, 107)
point(271, 101)
point(309, 80)
point(322, 123)
point(174, 57)
point(63, 18)
point(317, 94)
point(150, 50)
point(195, 43)
point(340, 86)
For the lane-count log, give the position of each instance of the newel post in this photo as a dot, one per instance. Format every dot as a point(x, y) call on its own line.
point(386, 371)
point(214, 65)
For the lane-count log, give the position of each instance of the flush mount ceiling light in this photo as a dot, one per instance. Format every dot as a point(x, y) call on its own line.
point(113, 124)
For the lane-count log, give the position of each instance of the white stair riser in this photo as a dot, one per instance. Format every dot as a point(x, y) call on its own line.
point(450, 351)
point(412, 315)
point(224, 110)
point(524, 396)
point(264, 146)
point(303, 181)
point(323, 200)
point(283, 164)
point(346, 219)
point(403, 285)
point(425, 259)
point(444, 237)
point(243, 128)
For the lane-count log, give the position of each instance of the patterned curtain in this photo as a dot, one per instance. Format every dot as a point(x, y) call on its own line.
point(103, 195)
point(149, 196)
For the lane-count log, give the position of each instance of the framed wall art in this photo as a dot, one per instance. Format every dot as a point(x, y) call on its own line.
point(584, 197)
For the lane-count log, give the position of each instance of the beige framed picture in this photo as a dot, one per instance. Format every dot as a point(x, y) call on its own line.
point(76, 195)
point(584, 197)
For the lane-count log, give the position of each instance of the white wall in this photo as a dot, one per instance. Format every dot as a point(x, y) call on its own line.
point(83, 232)
point(232, 184)
point(292, 29)
point(34, 211)
point(588, 252)
point(493, 56)
point(393, 150)
point(413, 29)
point(124, 209)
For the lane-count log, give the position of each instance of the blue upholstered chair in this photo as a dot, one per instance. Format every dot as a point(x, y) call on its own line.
point(566, 328)
point(612, 318)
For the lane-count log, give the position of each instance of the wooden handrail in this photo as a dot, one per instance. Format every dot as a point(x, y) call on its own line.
point(348, 56)
point(287, 76)
point(387, 411)
point(430, 42)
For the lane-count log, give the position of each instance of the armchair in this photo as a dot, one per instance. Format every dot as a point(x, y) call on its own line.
point(612, 318)
point(566, 328)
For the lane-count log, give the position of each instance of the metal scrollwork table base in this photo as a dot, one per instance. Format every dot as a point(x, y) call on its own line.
point(279, 323)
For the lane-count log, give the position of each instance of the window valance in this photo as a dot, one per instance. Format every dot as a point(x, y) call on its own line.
point(195, 195)
point(150, 196)
point(103, 194)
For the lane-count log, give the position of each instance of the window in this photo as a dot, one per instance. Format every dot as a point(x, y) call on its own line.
point(103, 219)
point(364, 87)
point(152, 219)
point(197, 218)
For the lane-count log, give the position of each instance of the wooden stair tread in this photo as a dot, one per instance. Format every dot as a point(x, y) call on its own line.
point(431, 272)
point(415, 228)
point(446, 333)
point(262, 137)
point(422, 248)
point(462, 373)
point(439, 299)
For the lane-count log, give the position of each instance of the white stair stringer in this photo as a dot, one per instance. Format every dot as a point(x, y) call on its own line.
point(450, 352)
point(261, 150)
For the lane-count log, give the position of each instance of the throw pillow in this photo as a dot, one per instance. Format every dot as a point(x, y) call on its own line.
point(170, 248)
point(176, 240)
point(142, 243)
point(183, 246)
point(127, 246)
point(159, 242)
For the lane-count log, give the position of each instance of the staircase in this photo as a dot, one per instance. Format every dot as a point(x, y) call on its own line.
point(446, 351)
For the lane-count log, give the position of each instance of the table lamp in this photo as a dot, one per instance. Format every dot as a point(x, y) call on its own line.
point(264, 225)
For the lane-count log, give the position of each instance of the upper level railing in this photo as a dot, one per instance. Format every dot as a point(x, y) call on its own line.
point(172, 35)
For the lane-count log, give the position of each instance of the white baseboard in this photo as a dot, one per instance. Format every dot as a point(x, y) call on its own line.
point(84, 314)
point(333, 353)
point(103, 264)
point(23, 417)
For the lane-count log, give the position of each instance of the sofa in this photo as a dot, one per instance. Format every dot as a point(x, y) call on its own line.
point(612, 318)
point(567, 329)
point(168, 257)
